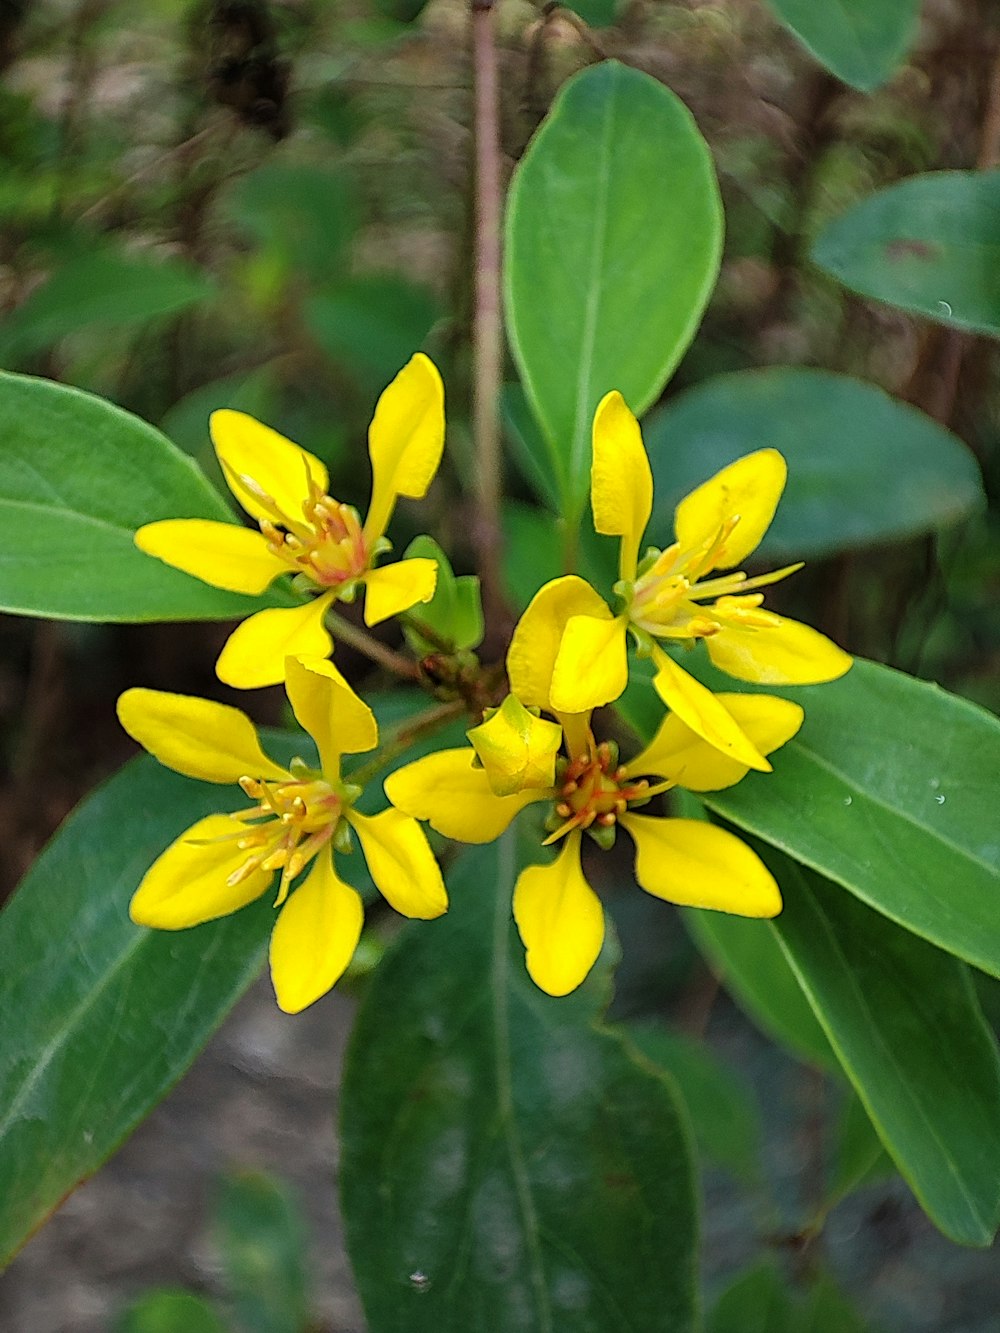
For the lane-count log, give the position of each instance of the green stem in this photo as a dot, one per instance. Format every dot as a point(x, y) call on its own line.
point(372, 648)
point(401, 740)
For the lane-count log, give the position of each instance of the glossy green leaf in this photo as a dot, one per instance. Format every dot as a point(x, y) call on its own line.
point(723, 1115)
point(756, 1301)
point(858, 1157)
point(861, 41)
point(101, 1017)
point(929, 245)
point(77, 477)
point(598, 13)
point(753, 969)
point(101, 289)
point(262, 1236)
point(506, 1163)
point(170, 1311)
point(527, 446)
point(613, 238)
point(862, 467)
point(904, 1021)
point(890, 790)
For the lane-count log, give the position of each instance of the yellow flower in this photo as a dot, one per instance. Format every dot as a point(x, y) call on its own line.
point(686, 861)
point(305, 532)
point(299, 815)
point(669, 594)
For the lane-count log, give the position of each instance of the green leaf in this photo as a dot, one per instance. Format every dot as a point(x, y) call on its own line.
point(929, 244)
point(372, 324)
point(868, 468)
point(613, 238)
point(723, 1115)
point(454, 613)
point(303, 215)
point(77, 477)
point(263, 1239)
point(861, 41)
point(101, 1017)
point(827, 1311)
point(597, 13)
point(101, 289)
point(859, 1156)
point(890, 790)
point(528, 447)
point(170, 1311)
point(755, 1302)
point(506, 1163)
point(904, 1021)
point(753, 969)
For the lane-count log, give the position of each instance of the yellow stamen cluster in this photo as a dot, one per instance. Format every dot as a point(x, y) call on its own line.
point(595, 789)
point(298, 817)
point(329, 546)
point(664, 596)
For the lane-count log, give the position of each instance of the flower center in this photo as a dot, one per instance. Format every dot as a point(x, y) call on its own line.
point(292, 820)
point(329, 546)
point(594, 791)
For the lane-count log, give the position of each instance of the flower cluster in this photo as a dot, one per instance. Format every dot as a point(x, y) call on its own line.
point(568, 657)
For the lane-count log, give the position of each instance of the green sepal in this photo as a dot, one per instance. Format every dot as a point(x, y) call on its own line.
point(454, 615)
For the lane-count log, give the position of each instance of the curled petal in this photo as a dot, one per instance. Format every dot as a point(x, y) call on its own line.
point(187, 884)
point(455, 798)
point(531, 658)
point(517, 749)
point(197, 737)
point(395, 588)
point(786, 653)
point(401, 863)
point(621, 483)
point(314, 937)
point(682, 756)
point(325, 705)
point(701, 710)
point(222, 554)
point(255, 652)
point(592, 664)
point(405, 440)
point(560, 920)
point(748, 489)
point(695, 864)
point(283, 471)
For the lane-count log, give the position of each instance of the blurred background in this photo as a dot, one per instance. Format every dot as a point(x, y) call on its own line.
point(266, 206)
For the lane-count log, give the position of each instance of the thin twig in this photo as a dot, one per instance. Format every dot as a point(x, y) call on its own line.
point(487, 346)
point(400, 741)
point(363, 642)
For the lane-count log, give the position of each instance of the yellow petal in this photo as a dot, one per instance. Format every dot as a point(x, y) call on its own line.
point(401, 862)
point(704, 714)
point(621, 483)
point(592, 664)
point(695, 864)
point(516, 749)
point(679, 754)
point(455, 798)
point(276, 466)
point(405, 440)
point(197, 737)
point(314, 937)
point(187, 884)
point(531, 658)
point(222, 554)
point(326, 706)
point(750, 488)
point(787, 653)
point(560, 920)
point(395, 588)
point(256, 650)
